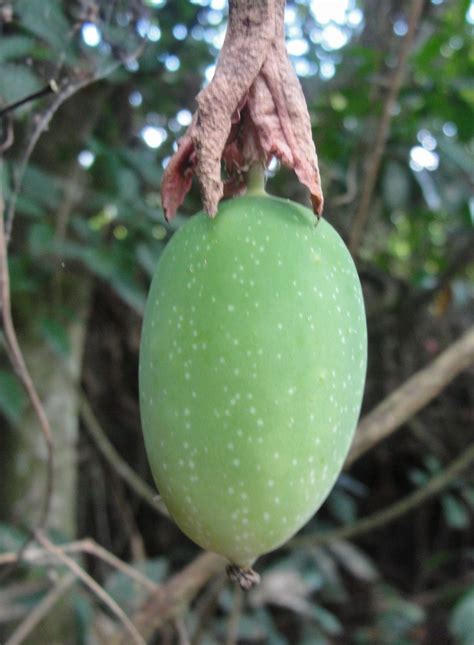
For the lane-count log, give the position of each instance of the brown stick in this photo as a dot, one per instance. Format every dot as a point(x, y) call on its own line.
point(95, 587)
point(42, 124)
point(42, 557)
point(18, 363)
point(393, 512)
point(168, 601)
point(41, 610)
point(120, 466)
point(383, 129)
point(413, 395)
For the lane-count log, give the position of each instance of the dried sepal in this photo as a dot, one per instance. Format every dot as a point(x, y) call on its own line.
point(252, 110)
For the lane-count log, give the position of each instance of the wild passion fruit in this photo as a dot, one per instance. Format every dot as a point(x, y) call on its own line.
point(252, 369)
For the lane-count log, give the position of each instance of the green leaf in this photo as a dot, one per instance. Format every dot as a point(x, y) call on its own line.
point(129, 593)
point(326, 620)
point(29, 207)
point(84, 614)
point(12, 47)
point(56, 336)
point(457, 154)
point(128, 184)
point(40, 239)
point(334, 588)
point(12, 397)
point(461, 622)
point(354, 560)
point(17, 81)
point(456, 514)
point(148, 255)
point(11, 538)
point(42, 187)
point(44, 19)
point(109, 266)
point(21, 278)
point(342, 506)
point(396, 185)
point(398, 617)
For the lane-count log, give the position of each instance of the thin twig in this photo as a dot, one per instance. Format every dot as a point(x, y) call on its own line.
point(66, 92)
point(51, 87)
point(169, 600)
point(182, 631)
point(93, 586)
point(38, 613)
point(41, 126)
point(206, 605)
point(393, 512)
point(351, 186)
point(445, 592)
point(383, 129)
point(413, 395)
point(7, 142)
point(234, 617)
point(18, 363)
point(120, 466)
point(35, 555)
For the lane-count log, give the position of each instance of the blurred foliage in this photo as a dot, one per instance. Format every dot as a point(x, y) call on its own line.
point(89, 202)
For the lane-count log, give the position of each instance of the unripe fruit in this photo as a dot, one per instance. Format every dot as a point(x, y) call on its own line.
point(252, 368)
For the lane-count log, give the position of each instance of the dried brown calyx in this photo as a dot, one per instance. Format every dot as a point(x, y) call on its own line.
point(254, 109)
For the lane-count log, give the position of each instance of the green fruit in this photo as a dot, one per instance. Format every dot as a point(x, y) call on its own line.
point(252, 368)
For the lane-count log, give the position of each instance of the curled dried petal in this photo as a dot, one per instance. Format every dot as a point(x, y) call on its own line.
point(253, 109)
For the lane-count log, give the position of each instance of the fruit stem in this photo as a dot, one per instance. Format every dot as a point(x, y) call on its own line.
point(245, 577)
point(256, 180)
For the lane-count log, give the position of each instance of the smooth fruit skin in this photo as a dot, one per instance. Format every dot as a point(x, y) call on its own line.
point(252, 368)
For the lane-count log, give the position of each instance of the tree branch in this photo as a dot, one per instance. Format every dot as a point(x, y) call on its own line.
point(99, 591)
point(386, 515)
point(36, 615)
point(168, 601)
point(42, 557)
point(383, 129)
point(120, 466)
point(18, 363)
point(413, 395)
point(64, 93)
